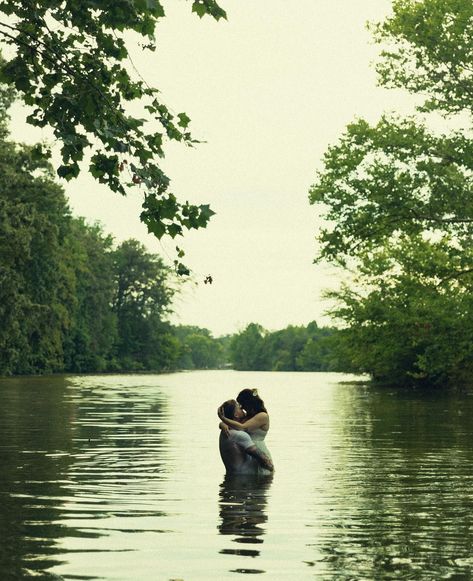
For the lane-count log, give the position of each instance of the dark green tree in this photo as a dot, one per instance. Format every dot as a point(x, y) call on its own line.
point(198, 348)
point(295, 348)
point(247, 349)
point(90, 340)
point(321, 352)
point(205, 351)
point(68, 302)
point(142, 303)
point(399, 204)
point(404, 321)
point(36, 285)
point(283, 347)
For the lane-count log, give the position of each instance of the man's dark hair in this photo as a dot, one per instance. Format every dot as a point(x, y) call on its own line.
point(229, 409)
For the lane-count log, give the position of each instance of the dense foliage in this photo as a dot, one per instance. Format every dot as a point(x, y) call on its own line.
point(310, 348)
point(69, 62)
point(398, 197)
point(69, 300)
point(72, 300)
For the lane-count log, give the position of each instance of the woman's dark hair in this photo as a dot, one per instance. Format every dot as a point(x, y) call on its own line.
point(229, 409)
point(251, 402)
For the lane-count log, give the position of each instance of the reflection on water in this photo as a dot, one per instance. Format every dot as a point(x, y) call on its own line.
point(242, 504)
point(399, 487)
point(119, 478)
point(34, 461)
point(73, 464)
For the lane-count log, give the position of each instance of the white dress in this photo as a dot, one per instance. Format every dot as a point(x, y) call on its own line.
point(258, 437)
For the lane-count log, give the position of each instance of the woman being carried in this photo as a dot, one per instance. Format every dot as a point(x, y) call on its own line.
point(256, 423)
point(237, 450)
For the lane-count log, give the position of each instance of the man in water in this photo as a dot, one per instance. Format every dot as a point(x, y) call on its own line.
point(237, 450)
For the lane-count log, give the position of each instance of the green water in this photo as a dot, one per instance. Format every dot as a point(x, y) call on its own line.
point(119, 477)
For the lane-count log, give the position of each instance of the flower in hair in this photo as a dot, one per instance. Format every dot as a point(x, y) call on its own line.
point(255, 392)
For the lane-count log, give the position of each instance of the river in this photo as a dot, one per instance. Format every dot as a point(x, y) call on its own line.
point(119, 478)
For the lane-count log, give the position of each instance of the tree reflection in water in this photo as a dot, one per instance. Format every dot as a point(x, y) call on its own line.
point(73, 461)
point(35, 446)
point(399, 487)
point(242, 510)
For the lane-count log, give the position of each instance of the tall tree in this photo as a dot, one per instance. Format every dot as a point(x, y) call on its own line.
point(391, 178)
point(68, 302)
point(247, 349)
point(428, 50)
point(198, 349)
point(283, 347)
point(142, 303)
point(90, 340)
point(36, 289)
point(398, 200)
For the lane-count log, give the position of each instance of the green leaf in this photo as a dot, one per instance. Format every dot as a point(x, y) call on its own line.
point(182, 269)
point(184, 120)
point(75, 77)
point(68, 171)
point(199, 8)
point(155, 227)
point(174, 230)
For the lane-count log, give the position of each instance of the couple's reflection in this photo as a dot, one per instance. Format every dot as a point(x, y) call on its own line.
point(242, 504)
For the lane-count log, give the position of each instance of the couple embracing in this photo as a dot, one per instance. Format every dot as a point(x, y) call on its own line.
point(243, 428)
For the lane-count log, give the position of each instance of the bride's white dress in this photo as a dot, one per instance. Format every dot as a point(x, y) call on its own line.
point(258, 437)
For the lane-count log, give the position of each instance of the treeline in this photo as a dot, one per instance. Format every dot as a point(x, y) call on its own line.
point(70, 300)
point(295, 348)
point(73, 301)
point(198, 349)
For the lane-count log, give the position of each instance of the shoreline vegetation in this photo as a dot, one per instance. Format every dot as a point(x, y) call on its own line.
point(394, 197)
point(74, 301)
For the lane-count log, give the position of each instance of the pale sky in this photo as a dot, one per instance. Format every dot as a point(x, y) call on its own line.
point(267, 91)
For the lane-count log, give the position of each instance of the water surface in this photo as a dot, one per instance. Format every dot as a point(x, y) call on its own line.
point(119, 478)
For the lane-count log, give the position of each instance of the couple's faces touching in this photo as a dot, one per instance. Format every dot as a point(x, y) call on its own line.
point(239, 412)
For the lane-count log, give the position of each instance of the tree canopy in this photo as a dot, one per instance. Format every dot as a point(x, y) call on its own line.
point(70, 64)
point(398, 200)
point(65, 301)
point(428, 50)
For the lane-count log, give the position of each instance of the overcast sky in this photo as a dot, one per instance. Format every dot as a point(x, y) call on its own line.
point(267, 91)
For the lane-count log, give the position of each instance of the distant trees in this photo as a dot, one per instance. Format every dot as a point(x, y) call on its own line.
point(199, 349)
point(294, 348)
point(90, 338)
point(399, 205)
point(247, 349)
